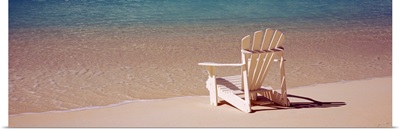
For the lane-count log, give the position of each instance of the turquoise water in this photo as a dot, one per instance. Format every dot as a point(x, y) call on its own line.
point(105, 13)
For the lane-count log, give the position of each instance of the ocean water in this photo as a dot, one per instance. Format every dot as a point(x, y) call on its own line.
point(77, 54)
point(83, 13)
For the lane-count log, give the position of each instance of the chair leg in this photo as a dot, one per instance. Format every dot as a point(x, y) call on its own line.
point(212, 86)
point(276, 97)
point(284, 99)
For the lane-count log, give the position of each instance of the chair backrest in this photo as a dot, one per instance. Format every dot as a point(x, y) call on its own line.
point(260, 54)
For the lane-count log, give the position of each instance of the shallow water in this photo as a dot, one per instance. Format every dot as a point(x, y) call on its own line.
point(67, 55)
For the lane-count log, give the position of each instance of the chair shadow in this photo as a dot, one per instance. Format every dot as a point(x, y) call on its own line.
point(268, 105)
point(300, 105)
point(313, 103)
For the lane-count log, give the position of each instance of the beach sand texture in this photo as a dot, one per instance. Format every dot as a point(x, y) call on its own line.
point(51, 72)
point(363, 103)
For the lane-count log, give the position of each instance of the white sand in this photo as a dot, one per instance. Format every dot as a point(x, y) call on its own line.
point(362, 103)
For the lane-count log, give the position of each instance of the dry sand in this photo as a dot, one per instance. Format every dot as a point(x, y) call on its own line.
point(361, 103)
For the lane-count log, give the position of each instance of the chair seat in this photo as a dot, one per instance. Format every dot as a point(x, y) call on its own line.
point(233, 84)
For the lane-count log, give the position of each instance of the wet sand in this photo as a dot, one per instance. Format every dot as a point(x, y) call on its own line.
point(56, 69)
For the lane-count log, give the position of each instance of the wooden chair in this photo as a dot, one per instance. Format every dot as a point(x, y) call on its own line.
point(242, 90)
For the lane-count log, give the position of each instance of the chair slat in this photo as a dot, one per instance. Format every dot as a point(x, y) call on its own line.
point(245, 56)
point(264, 70)
point(272, 39)
point(275, 39)
point(246, 43)
point(251, 70)
point(260, 66)
point(257, 39)
point(262, 63)
point(267, 39)
point(282, 38)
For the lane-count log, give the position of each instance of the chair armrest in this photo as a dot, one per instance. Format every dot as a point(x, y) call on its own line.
point(219, 64)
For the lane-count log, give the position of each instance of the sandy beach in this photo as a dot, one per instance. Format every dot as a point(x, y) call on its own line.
point(60, 69)
point(135, 63)
point(362, 103)
point(70, 74)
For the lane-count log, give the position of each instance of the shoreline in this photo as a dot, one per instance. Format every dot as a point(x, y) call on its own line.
point(170, 98)
point(343, 109)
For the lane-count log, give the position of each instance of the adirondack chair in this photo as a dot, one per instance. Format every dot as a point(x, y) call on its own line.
point(242, 90)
